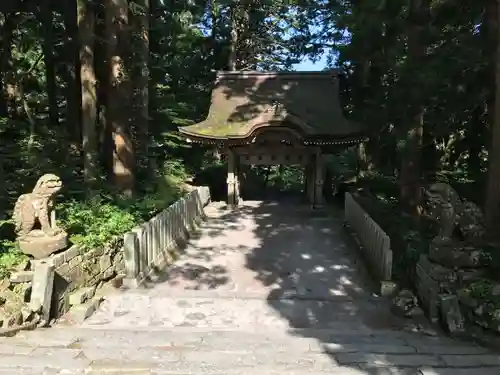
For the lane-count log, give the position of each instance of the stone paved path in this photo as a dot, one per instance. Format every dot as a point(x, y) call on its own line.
point(271, 289)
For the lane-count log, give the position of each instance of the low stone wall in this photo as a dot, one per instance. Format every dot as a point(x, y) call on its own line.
point(80, 268)
point(454, 282)
point(147, 246)
point(41, 290)
point(445, 284)
point(375, 244)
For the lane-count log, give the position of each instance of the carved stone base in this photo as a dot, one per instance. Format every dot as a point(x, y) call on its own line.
point(41, 246)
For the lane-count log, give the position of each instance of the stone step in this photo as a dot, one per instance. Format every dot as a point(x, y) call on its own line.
point(112, 369)
point(238, 341)
point(113, 351)
point(131, 361)
point(270, 295)
point(108, 368)
point(143, 310)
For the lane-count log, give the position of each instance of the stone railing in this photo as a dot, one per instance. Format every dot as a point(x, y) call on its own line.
point(147, 246)
point(375, 244)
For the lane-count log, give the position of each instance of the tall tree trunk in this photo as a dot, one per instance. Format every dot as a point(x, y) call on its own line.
point(73, 74)
point(88, 89)
point(233, 43)
point(492, 202)
point(5, 57)
point(410, 173)
point(141, 85)
point(155, 73)
point(213, 32)
point(118, 92)
point(48, 57)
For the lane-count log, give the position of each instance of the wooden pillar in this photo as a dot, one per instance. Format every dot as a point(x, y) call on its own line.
point(237, 187)
point(318, 179)
point(361, 165)
point(310, 179)
point(305, 179)
point(232, 179)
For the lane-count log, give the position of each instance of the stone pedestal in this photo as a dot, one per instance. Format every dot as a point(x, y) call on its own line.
point(39, 245)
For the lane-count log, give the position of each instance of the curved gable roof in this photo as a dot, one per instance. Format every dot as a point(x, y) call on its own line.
point(244, 101)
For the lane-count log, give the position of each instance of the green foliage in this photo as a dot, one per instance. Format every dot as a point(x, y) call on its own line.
point(342, 165)
point(483, 290)
point(10, 257)
point(382, 187)
point(94, 222)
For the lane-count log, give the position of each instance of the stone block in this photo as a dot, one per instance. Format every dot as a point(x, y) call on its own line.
point(81, 295)
point(91, 268)
point(21, 277)
point(109, 273)
point(63, 269)
point(466, 276)
point(428, 290)
point(129, 283)
point(459, 371)
point(436, 271)
point(451, 314)
point(57, 260)
point(478, 360)
point(98, 252)
point(403, 360)
point(131, 253)
point(79, 313)
point(75, 261)
point(75, 276)
point(43, 285)
point(455, 254)
point(466, 299)
point(104, 262)
point(387, 288)
point(72, 252)
point(90, 255)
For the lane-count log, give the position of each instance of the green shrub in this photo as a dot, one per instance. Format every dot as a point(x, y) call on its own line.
point(94, 222)
point(10, 257)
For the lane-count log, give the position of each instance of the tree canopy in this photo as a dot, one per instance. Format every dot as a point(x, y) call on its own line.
point(94, 90)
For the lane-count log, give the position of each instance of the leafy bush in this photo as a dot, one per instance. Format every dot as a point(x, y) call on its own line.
point(10, 257)
point(94, 222)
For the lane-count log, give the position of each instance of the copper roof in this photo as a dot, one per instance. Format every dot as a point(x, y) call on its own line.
point(243, 102)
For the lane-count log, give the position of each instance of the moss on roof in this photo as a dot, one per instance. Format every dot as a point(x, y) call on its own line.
point(244, 101)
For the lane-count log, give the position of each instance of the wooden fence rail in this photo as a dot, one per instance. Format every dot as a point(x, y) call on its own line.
point(146, 246)
point(374, 242)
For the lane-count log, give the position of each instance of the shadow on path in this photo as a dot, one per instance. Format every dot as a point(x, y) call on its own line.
point(289, 273)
